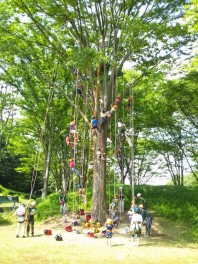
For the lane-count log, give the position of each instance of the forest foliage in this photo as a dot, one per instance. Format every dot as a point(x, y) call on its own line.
point(48, 50)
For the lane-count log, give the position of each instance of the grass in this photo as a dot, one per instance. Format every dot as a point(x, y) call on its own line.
point(173, 237)
point(168, 244)
point(172, 202)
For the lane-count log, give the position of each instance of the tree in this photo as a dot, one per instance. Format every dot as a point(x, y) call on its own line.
point(92, 40)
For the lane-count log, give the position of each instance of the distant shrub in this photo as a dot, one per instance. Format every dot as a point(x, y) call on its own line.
point(5, 219)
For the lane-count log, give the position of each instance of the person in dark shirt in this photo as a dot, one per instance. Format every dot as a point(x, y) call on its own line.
point(62, 201)
point(109, 228)
point(31, 210)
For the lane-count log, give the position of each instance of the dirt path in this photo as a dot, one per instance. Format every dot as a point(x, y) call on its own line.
point(162, 247)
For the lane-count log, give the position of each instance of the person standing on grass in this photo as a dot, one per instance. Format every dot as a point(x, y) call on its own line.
point(31, 210)
point(148, 223)
point(62, 201)
point(109, 227)
point(136, 224)
point(140, 200)
point(20, 212)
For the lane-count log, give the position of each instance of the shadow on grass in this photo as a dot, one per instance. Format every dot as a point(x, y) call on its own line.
point(166, 232)
point(5, 223)
point(117, 245)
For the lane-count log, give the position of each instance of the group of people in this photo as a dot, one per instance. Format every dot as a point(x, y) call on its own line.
point(25, 216)
point(139, 216)
point(71, 140)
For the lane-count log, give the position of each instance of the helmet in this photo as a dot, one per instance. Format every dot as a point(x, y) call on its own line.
point(137, 209)
point(109, 221)
point(93, 117)
point(22, 204)
point(58, 237)
point(98, 224)
point(33, 203)
point(139, 195)
point(87, 224)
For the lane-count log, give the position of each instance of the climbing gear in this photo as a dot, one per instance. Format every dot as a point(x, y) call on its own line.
point(47, 232)
point(58, 237)
point(87, 225)
point(137, 209)
point(68, 228)
point(109, 221)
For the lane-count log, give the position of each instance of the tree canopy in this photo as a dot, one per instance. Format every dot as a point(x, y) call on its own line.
point(64, 61)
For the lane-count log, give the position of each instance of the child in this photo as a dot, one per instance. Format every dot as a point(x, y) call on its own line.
point(67, 140)
point(94, 123)
point(71, 164)
point(109, 227)
point(136, 224)
point(72, 127)
point(148, 222)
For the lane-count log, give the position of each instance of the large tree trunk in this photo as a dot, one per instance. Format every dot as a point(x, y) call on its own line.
point(99, 211)
point(99, 177)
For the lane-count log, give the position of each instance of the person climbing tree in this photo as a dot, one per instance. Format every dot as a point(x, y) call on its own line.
point(80, 90)
point(72, 167)
point(72, 127)
point(68, 141)
point(94, 125)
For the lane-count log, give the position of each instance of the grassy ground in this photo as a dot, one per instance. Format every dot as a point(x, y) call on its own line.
point(169, 243)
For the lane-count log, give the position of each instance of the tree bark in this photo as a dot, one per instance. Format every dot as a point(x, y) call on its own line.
point(99, 177)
